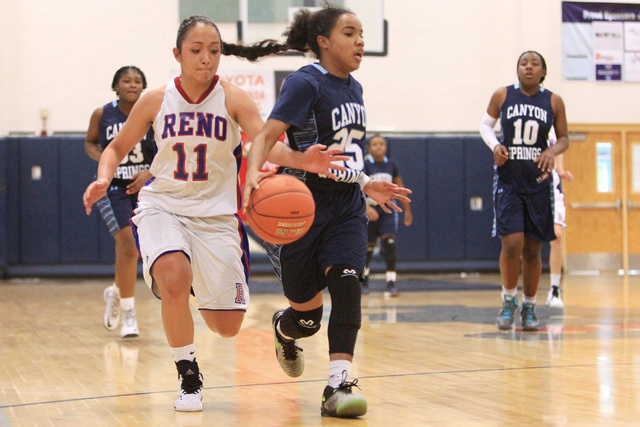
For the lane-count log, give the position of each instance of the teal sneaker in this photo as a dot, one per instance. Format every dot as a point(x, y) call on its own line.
point(506, 319)
point(529, 318)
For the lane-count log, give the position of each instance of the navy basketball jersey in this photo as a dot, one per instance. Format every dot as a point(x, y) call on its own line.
point(386, 169)
point(525, 121)
point(323, 109)
point(140, 157)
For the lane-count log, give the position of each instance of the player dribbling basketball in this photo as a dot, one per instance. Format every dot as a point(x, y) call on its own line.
point(322, 104)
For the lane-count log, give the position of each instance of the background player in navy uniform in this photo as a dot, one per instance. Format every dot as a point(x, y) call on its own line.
point(381, 224)
point(116, 207)
point(523, 187)
point(322, 104)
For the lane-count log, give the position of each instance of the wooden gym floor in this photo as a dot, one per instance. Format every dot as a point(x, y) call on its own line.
point(428, 357)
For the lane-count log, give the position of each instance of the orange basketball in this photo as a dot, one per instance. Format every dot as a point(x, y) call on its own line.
point(281, 209)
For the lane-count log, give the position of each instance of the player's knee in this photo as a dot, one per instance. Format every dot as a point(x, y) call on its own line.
point(344, 287)
point(558, 240)
point(225, 331)
point(300, 324)
point(225, 323)
point(511, 249)
point(346, 317)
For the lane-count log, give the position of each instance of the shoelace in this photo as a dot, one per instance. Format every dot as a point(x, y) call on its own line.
point(290, 350)
point(555, 292)
point(191, 383)
point(129, 318)
point(507, 309)
point(115, 305)
point(345, 385)
point(190, 374)
point(529, 314)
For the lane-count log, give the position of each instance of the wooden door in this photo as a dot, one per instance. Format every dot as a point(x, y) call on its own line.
point(594, 235)
point(633, 199)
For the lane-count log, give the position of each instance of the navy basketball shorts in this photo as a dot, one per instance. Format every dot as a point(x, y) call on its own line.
point(386, 225)
point(338, 236)
point(116, 208)
point(528, 213)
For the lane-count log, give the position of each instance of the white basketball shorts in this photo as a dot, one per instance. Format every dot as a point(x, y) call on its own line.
point(559, 210)
point(213, 245)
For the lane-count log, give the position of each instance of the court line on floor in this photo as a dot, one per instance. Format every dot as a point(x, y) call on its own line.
point(415, 374)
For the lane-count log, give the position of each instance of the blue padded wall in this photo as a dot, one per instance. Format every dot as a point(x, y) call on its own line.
point(4, 203)
point(77, 230)
point(44, 227)
point(39, 214)
point(478, 167)
point(446, 213)
point(411, 156)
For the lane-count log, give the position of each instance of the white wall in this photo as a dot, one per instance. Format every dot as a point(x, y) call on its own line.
point(445, 60)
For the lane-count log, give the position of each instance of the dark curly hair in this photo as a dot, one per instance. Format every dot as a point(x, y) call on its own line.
point(307, 26)
point(302, 35)
point(118, 75)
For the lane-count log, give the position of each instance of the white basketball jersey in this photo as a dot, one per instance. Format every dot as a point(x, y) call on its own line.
point(196, 167)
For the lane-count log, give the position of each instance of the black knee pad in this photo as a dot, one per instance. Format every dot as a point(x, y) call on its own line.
point(300, 324)
point(390, 255)
point(345, 320)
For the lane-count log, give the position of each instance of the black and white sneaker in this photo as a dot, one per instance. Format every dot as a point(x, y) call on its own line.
point(341, 402)
point(289, 355)
point(554, 299)
point(189, 387)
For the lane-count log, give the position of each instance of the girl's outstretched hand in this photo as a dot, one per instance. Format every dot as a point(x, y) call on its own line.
point(319, 160)
point(382, 192)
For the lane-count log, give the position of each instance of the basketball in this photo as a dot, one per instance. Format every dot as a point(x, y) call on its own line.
point(281, 209)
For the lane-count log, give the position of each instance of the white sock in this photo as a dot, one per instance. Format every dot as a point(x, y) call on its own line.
point(555, 280)
point(391, 276)
point(127, 303)
point(529, 300)
point(336, 368)
point(188, 352)
point(512, 292)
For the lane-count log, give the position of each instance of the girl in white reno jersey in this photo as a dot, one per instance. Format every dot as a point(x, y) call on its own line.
point(189, 235)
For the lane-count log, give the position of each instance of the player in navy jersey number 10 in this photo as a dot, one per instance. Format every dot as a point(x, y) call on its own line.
point(117, 205)
point(322, 103)
point(523, 185)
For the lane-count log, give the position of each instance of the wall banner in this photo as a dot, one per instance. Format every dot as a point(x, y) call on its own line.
point(600, 41)
point(259, 84)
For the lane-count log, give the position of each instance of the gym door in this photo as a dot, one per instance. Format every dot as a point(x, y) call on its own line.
point(603, 202)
